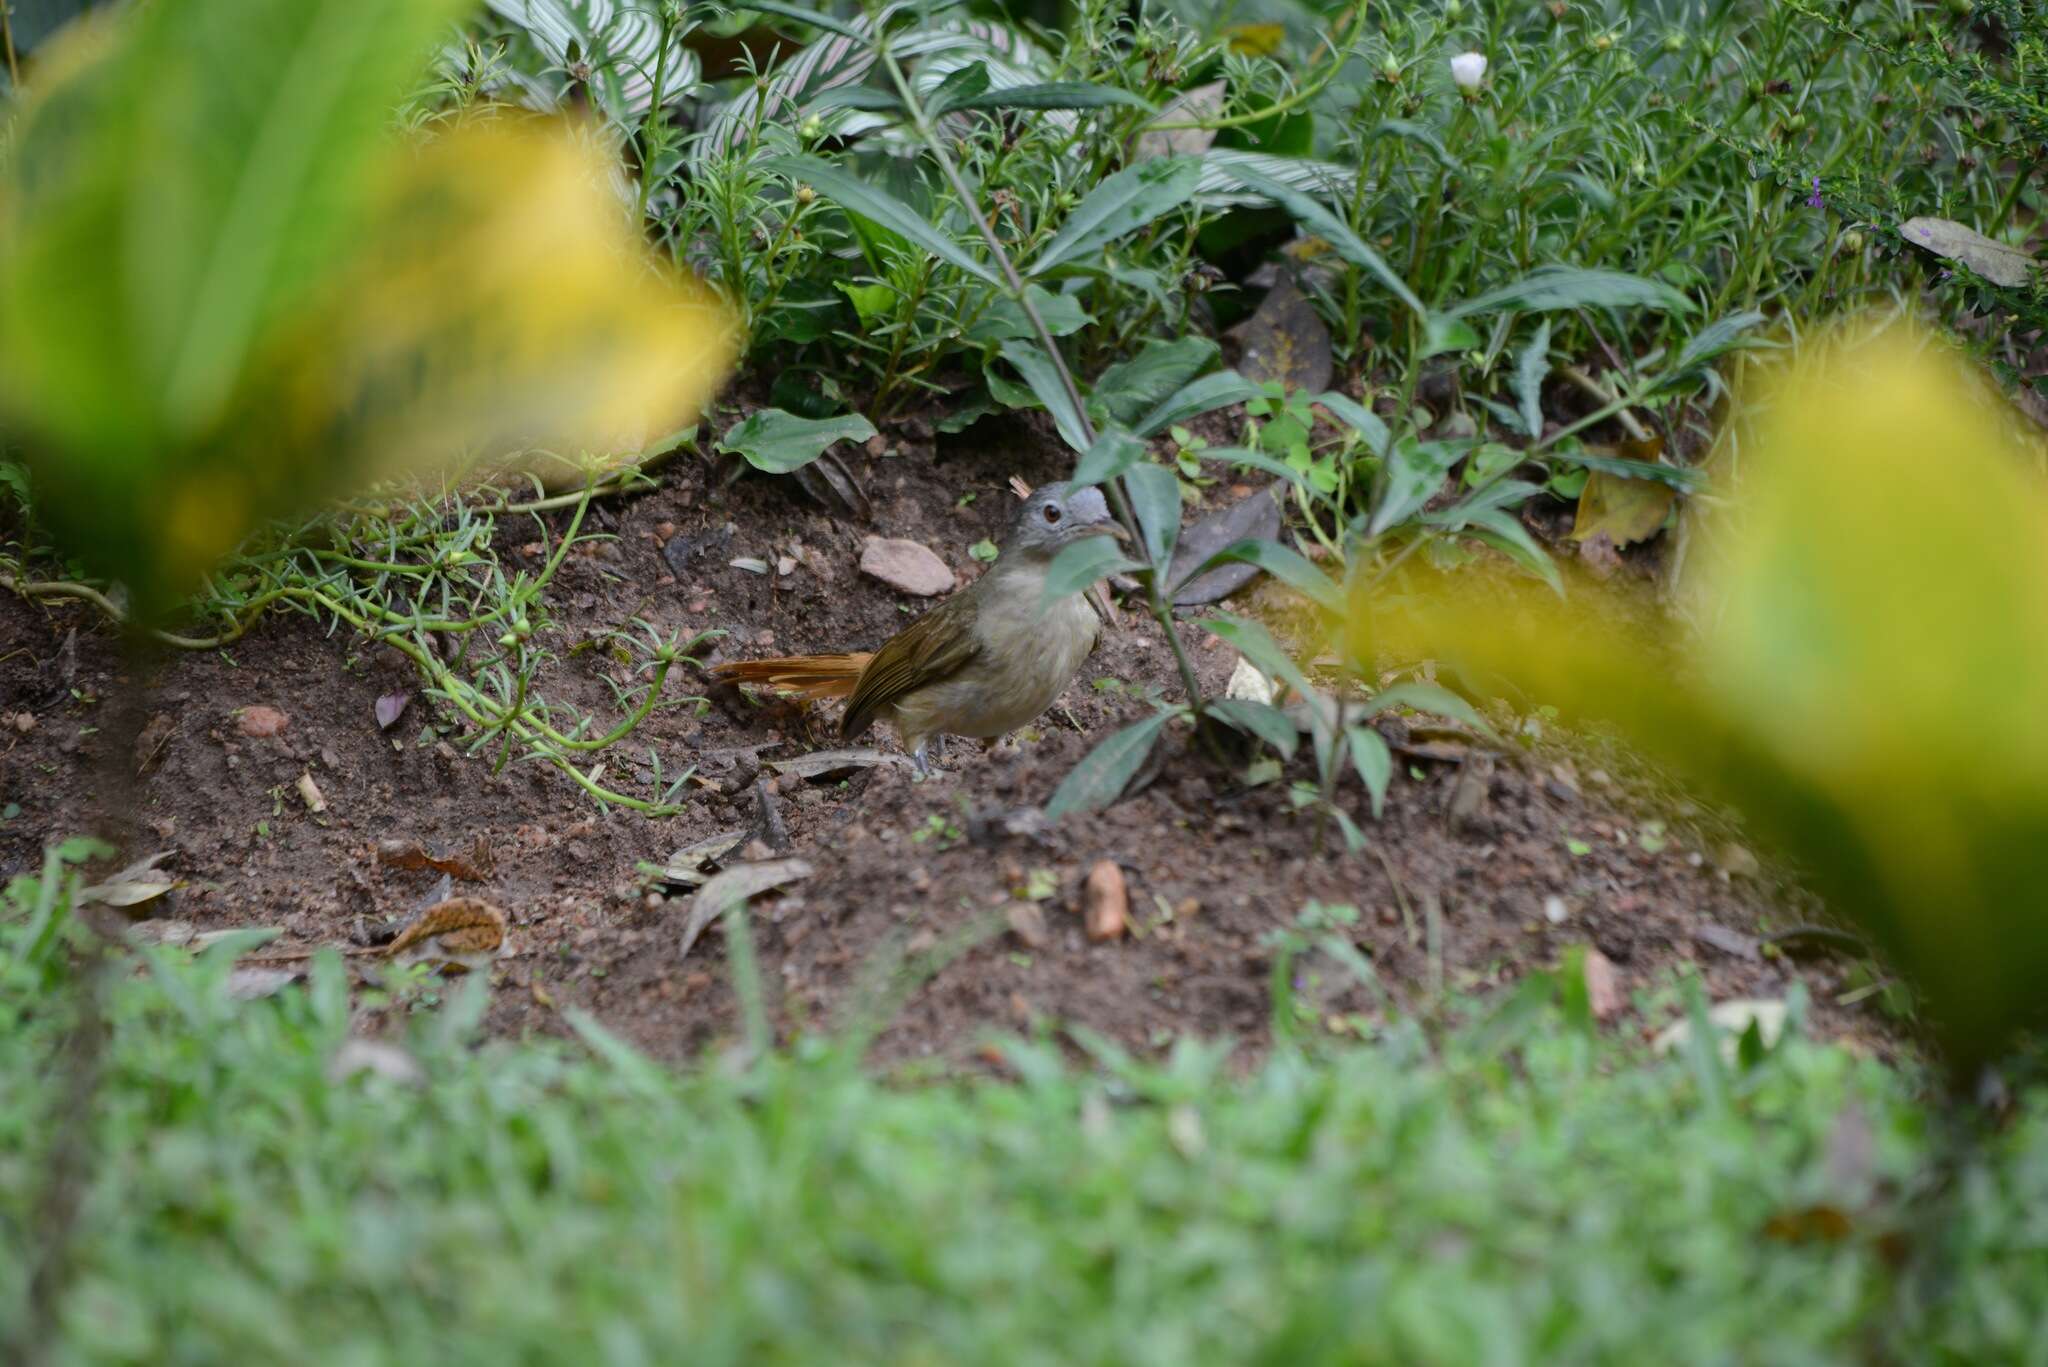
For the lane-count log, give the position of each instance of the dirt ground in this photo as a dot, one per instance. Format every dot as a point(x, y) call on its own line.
point(1514, 859)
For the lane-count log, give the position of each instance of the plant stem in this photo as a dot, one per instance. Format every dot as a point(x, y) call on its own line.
point(1154, 575)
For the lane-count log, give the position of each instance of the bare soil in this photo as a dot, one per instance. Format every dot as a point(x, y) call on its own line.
point(1515, 858)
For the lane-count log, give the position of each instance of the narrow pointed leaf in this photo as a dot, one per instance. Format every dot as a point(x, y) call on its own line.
point(1099, 779)
point(852, 193)
point(1124, 203)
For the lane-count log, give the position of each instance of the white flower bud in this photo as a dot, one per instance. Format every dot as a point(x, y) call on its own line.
point(1468, 69)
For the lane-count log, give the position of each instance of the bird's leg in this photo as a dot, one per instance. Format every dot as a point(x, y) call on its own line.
point(917, 757)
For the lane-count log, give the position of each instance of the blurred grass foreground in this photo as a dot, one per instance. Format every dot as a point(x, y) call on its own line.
point(228, 289)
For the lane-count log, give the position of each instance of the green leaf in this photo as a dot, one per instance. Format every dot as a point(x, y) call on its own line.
point(867, 98)
point(1133, 389)
point(1362, 419)
point(1099, 779)
point(1124, 203)
point(1505, 533)
point(1414, 471)
point(1155, 498)
point(854, 194)
point(778, 441)
point(1054, 95)
point(1196, 397)
point(1680, 477)
point(1715, 339)
point(1573, 287)
point(1255, 460)
point(804, 14)
point(1443, 332)
point(1374, 762)
point(1426, 697)
point(1008, 392)
point(1310, 213)
point(1284, 563)
point(1263, 720)
point(1114, 452)
point(1082, 563)
point(960, 85)
point(1532, 368)
point(1044, 378)
point(869, 301)
point(1256, 644)
point(1004, 319)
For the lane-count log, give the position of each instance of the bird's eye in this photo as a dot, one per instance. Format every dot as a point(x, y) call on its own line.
point(1052, 515)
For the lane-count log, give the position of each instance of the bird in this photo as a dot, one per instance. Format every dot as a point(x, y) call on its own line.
point(459, 933)
point(980, 664)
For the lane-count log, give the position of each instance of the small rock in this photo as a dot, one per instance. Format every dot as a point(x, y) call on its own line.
point(1554, 909)
point(1737, 862)
point(1105, 902)
point(310, 794)
point(906, 565)
point(260, 722)
point(1603, 986)
point(923, 942)
point(664, 532)
point(374, 1056)
point(23, 722)
point(1027, 923)
point(1732, 942)
point(756, 850)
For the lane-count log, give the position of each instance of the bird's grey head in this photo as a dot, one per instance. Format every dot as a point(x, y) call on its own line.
point(1056, 515)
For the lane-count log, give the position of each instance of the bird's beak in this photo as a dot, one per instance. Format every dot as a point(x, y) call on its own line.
point(1115, 529)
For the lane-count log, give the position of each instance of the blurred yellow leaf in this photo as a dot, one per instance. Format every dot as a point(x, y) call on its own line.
point(1255, 40)
point(291, 301)
point(1866, 680)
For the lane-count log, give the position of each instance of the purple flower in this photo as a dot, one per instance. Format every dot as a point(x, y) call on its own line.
point(1814, 201)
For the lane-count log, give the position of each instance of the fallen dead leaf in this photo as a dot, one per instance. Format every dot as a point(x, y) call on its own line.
point(1203, 102)
point(735, 886)
point(907, 565)
point(133, 886)
point(1994, 260)
point(1732, 1020)
point(310, 794)
point(389, 708)
point(1256, 518)
point(1285, 339)
point(825, 763)
point(415, 854)
point(374, 1056)
point(1626, 510)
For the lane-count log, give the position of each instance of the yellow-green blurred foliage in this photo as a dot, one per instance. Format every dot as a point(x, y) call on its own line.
point(1866, 679)
point(229, 290)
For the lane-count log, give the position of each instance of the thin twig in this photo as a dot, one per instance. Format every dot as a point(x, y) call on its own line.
point(1628, 420)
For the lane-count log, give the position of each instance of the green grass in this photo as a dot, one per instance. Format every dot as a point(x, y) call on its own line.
point(1502, 1189)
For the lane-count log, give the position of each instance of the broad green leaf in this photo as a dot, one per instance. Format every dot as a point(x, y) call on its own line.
point(1255, 460)
point(1008, 392)
point(779, 442)
point(1124, 203)
point(869, 301)
point(852, 193)
point(813, 15)
point(1310, 213)
point(1256, 644)
point(1284, 563)
point(1039, 372)
point(1004, 319)
point(1374, 762)
point(1114, 452)
point(1082, 563)
point(1053, 95)
point(961, 85)
point(1259, 719)
point(1505, 533)
point(294, 301)
point(1130, 390)
point(1575, 287)
point(864, 97)
point(1197, 397)
point(1099, 779)
point(1532, 368)
point(1413, 472)
point(1362, 420)
point(1677, 476)
point(1444, 332)
point(1155, 498)
point(1426, 697)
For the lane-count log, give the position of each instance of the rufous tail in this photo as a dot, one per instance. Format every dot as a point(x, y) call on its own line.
point(802, 676)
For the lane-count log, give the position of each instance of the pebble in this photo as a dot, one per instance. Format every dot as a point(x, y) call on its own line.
point(906, 565)
point(1027, 923)
point(1105, 902)
point(1554, 910)
point(259, 722)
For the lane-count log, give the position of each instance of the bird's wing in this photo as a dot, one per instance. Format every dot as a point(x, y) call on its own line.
point(936, 646)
